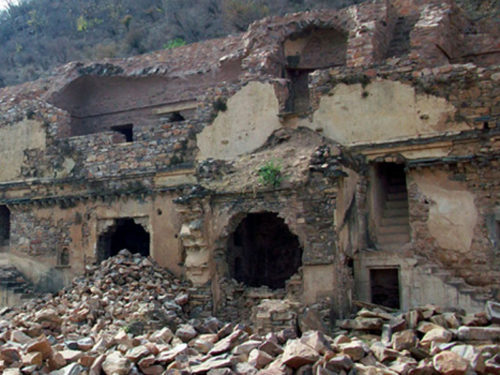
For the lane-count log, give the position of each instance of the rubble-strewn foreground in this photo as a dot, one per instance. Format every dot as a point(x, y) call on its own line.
point(129, 316)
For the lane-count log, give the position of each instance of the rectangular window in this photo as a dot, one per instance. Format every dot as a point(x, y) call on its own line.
point(4, 225)
point(126, 130)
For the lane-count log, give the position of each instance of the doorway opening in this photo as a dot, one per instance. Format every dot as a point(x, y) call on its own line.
point(124, 234)
point(384, 284)
point(390, 204)
point(298, 99)
point(262, 251)
point(63, 257)
point(4, 225)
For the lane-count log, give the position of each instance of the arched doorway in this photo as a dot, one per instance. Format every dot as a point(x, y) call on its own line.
point(263, 251)
point(124, 234)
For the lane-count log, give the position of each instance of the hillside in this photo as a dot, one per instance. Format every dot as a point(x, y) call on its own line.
point(38, 35)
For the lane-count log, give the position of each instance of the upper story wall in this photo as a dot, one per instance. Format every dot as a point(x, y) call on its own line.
point(222, 98)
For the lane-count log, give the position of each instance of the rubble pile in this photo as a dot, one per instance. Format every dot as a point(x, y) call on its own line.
point(130, 316)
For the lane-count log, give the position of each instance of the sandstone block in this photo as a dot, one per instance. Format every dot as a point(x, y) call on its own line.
point(116, 364)
point(436, 335)
point(449, 363)
point(340, 362)
point(479, 333)
point(493, 311)
point(472, 355)
point(212, 363)
point(316, 340)
point(259, 359)
point(297, 354)
point(353, 349)
point(404, 340)
point(72, 369)
point(186, 332)
point(41, 345)
point(382, 353)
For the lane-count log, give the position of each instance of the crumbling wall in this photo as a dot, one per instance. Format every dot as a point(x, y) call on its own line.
point(449, 214)
point(248, 120)
point(381, 111)
point(206, 233)
point(39, 234)
point(15, 141)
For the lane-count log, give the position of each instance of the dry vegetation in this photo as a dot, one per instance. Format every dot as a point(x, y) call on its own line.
point(37, 35)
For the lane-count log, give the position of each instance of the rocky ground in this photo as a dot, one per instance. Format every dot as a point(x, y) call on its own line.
point(129, 316)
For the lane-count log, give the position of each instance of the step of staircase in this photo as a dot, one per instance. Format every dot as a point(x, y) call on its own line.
point(395, 212)
point(402, 196)
point(394, 229)
point(13, 283)
point(397, 189)
point(400, 42)
point(396, 220)
point(393, 238)
point(396, 204)
point(395, 181)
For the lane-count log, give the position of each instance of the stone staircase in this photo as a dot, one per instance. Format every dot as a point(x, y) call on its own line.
point(13, 286)
point(400, 42)
point(452, 287)
point(394, 227)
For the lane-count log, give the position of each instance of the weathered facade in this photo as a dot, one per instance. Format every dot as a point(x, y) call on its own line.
point(383, 121)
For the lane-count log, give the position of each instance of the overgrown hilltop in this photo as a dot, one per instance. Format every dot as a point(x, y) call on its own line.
point(38, 35)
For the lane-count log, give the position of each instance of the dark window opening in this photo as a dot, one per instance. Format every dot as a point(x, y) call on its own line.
point(176, 117)
point(126, 130)
point(125, 234)
point(497, 233)
point(4, 225)
point(63, 257)
point(384, 285)
point(263, 251)
point(298, 99)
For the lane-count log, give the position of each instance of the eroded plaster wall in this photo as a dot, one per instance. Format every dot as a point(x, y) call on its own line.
point(15, 139)
point(318, 282)
point(250, 118)
point(38, 234)
point(346, 218)
point(417, 283)
point(455, 234)
point(453, 215)
point(381, 111)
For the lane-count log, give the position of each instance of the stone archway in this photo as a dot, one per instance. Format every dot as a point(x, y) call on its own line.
point(262, 251)
point(123, 233)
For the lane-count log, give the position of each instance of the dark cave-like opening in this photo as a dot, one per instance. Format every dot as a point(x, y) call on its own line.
point(125, 234)
point(263, 251)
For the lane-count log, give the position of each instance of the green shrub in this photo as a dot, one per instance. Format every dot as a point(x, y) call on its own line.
point(174, 43)
point(270, 174)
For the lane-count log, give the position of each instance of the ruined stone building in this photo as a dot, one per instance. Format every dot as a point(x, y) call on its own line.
point(381, 121)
